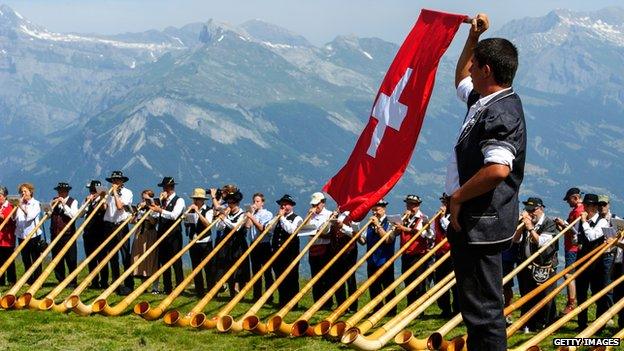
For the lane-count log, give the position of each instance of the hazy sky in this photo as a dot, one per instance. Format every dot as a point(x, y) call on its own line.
point(318, 20)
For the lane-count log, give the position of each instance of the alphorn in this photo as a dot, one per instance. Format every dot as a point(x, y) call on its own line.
point(226, 322)
point(436, 340)
point(539, 337)
point(105, 309)
point(380, 337)
point(19, 248)
point(48, 301)
point(173, 317)
point(9, 299)
point(143, 308)
point(338, 328)
point(73, 302)
point(200, 319)
point(100, 301)
point(27, 298)
point(295, 299)
point(275, 324)
point(324, 326)
point(595, 326)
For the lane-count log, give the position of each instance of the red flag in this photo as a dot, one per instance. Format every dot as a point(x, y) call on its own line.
point(385, 147)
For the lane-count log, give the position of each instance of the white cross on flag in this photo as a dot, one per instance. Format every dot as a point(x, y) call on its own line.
point(386, 144)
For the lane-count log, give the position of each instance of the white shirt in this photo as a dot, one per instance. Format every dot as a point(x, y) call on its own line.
point(289, 226)
point(427, 234)
point(263, 216)
point(178, 208)
point(444, 222)
point(114, 215)
point(193, 218)
point(596, 232)
point(227, 223)
point(69, 211)
point(491, 153)
point(317, 220)
point(25, 223)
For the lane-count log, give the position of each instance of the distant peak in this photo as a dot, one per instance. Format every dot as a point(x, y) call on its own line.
point(273, 34)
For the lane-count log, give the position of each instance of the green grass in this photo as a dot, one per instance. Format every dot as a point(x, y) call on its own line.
point(28, 330)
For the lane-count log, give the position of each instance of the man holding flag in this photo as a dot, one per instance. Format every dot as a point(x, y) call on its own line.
point(485, 170)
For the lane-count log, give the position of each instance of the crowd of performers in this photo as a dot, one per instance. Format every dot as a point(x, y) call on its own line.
point(596, 225)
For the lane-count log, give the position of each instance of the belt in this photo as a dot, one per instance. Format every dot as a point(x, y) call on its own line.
point(114, 223)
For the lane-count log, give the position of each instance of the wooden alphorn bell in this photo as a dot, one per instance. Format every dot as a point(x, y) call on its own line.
point(100, 303)
point(301, 326)
point(28, 298)
point(173, 317)
point(324, 326)
point(250, 318)
point(9, 299)
point(48, 301)
point(73, 301)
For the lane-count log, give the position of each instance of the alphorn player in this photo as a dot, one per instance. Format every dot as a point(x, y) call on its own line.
point(94, 234)
point(146, 236)
point(7, 238)
point(62, 214)
point(590, 235)
point(376, 231)
point(26, 219)
point(118, 210)
point(570, 241)
point(283, 229)
point(413, 222)
point(170, 209)
point(484, 173)
point(538, 230)
point(199, 218)
point(237, 245)
point(257, 219)
point(319, 254)
point(341, 233)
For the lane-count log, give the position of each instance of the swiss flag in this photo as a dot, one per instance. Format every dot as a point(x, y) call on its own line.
point(385, 147)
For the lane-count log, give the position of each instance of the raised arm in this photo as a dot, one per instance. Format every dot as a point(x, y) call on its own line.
point(478, 25)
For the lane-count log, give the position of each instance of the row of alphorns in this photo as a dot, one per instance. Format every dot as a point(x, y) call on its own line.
point(354, 331)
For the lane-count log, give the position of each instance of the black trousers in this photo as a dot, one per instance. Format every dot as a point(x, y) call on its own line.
point(11, 276)
point(30, 253)
point(290, 286)
point(444, 302)
point(167, 249)
point(125, 252)
point(546, 314)
point(259, 256)
point(407, 261)
point(69, 259)
point(479, 274)
point(317, 262)
point(92, 239)
point(343, 264)
point(380, 284)
point(593, 278)
point(198, 252)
